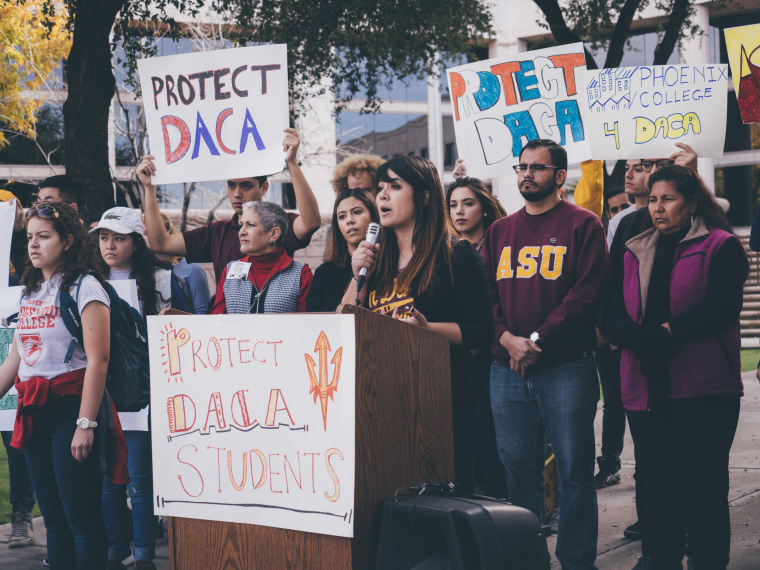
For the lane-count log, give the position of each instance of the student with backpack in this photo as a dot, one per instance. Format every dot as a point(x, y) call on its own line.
point(61, 414)
point(121, 238)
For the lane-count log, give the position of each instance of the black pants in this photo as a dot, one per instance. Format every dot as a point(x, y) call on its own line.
point(682, 457)
point(613, 420)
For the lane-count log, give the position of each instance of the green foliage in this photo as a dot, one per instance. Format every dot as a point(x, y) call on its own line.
point(353, 46)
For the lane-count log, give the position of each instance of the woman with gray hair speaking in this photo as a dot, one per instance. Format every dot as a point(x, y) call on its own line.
point(266, 280)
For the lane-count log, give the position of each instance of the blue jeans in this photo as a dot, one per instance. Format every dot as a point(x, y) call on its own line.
point(68, 492)
point(558, 400)
point(22, 493)
point(140, 466)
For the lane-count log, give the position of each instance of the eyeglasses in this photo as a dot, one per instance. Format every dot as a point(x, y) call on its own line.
point(41, 211)
point(647, 165)
point(533, 168)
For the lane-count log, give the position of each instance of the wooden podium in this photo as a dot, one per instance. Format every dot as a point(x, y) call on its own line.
point(403, 436)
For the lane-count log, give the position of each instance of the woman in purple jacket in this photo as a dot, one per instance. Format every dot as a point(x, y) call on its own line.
point(676, 317)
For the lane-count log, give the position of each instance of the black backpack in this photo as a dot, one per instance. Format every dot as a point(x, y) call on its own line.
point(128, 380)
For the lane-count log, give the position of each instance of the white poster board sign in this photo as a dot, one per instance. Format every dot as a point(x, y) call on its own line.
point(7, 219)
point(501, 104)
point(218, 114)
point(9, 300)
point(252, 419)
point(641, 112)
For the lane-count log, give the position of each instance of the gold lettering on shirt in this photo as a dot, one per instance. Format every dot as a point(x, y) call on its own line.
point(527, 261)
point(551, 261)
point(559, 256)
point(504, 271)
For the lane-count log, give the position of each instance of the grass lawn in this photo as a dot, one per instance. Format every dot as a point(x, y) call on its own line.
point(750, 356)
point(5, 505)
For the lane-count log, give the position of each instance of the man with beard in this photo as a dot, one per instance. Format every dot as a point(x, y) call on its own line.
point(547, 266)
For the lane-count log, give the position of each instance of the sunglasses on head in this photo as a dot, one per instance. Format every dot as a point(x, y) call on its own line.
point(42, 211)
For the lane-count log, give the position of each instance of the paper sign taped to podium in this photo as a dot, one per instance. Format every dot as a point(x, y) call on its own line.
point(642, 112)
point(215, 115)
point(252, 419)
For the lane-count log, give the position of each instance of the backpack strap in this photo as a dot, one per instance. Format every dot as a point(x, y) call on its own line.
point(72, 319)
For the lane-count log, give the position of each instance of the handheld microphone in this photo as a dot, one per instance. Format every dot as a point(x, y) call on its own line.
point(373, 232)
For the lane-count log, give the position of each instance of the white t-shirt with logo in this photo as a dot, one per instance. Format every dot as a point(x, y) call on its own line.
point(41, 335)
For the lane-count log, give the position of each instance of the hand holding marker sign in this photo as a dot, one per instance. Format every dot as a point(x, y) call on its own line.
point(634, 112)
point(217, 114)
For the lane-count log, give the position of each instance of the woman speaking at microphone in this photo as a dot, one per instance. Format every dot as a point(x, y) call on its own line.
point(421, 274)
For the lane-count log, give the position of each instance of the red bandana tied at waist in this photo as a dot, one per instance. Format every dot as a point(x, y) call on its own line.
point(33, 396)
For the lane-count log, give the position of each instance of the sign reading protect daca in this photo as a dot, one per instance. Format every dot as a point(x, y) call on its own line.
point(252, 419)
point(501, 104)
point(217, 114)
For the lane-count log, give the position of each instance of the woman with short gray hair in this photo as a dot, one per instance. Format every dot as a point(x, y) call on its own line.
point(266, 280)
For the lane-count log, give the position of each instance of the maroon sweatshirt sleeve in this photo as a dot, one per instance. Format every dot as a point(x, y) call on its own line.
point(592, 270)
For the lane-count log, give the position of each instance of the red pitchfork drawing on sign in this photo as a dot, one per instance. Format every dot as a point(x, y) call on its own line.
point(320, 387)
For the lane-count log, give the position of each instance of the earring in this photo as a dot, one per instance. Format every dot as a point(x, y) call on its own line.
point(271, 243)
point(691, 219)
point(485, 214)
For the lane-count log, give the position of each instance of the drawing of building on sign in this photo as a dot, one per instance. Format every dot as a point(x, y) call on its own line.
point(610, 90)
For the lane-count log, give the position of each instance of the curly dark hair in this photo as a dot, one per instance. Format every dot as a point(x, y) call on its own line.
point(78, 259)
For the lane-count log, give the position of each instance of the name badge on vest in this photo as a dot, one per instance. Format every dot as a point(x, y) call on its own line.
point(239, 270)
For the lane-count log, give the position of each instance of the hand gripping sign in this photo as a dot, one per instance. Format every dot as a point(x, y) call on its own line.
point(501, 104)
point(217, 114)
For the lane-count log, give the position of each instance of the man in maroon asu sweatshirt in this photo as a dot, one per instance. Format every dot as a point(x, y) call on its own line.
point(547, 265)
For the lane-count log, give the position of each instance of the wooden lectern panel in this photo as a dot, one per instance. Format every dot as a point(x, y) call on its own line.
point(403, 436)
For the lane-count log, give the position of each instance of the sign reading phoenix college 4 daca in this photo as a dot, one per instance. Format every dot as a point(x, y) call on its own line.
point(641, 112)
point(216, 114)
point(253, 419)
point(501, 104)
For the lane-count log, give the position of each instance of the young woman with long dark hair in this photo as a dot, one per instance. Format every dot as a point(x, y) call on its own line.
point(422, 274)
point(58, 416)
point(353, 211)
point(121, 239)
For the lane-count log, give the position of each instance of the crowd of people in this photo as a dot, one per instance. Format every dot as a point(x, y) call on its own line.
point(646, 288)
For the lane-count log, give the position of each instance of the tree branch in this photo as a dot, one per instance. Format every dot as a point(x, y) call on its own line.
point(620, 33)
point(663, 51)
point(555, 19)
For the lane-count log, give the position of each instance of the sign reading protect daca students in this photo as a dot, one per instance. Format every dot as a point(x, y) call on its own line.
point(501, 104)
point(216, 114)
point(252, 419)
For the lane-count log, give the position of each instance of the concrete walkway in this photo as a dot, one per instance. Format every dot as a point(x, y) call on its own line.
point(616, 505)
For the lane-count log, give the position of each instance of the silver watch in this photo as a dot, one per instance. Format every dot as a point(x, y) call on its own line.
point(534, 337)
point(85, 423)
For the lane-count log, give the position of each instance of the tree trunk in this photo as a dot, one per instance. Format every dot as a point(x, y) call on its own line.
point(91, 87)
